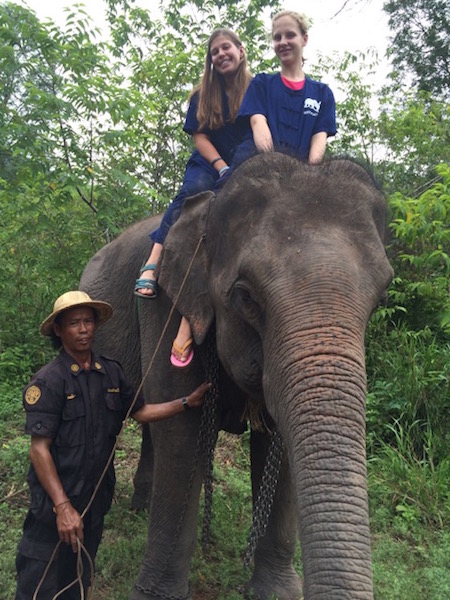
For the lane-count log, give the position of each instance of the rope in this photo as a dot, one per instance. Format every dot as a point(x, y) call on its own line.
point(113, 451)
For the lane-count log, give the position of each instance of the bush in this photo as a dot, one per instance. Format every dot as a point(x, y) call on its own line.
point(409, 489)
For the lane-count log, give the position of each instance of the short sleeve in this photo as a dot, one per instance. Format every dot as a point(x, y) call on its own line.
point(43, 407)
point(326, 120)
point(191, 122)
point(255, 99)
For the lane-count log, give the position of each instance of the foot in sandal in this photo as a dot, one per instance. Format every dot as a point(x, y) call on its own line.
point(146, 287)
point(182, 350)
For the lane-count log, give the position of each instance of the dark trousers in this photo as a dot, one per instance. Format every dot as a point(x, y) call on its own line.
point(198, 177)
point(35, 550)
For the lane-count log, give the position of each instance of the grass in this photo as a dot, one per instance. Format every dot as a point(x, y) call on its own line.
point(411, 555)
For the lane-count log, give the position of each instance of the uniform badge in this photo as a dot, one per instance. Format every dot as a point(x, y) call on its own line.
point(98, 365)
point(74, 368)
point(32, 394)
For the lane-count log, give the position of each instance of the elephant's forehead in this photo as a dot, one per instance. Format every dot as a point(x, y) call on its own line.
point(305, 196)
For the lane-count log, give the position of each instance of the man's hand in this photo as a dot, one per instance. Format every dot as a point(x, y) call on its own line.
point(69, 524)
point(195, 399)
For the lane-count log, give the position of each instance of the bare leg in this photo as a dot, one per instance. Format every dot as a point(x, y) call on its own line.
point(182, 345)
point(149, 273)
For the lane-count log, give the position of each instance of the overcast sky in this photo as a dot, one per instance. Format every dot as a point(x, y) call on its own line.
point(337, 25)
point(361, 24)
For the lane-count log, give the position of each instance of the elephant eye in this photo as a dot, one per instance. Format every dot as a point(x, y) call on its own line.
point(244, 304)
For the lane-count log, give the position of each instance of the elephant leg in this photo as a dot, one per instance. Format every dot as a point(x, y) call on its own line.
point(274, 575)
point(143, 477)
point(172, 534)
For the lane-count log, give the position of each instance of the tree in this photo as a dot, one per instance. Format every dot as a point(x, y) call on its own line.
point(91, 137)
point(421, 43)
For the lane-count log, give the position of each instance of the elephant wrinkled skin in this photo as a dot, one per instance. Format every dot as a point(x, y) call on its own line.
point(290, 270)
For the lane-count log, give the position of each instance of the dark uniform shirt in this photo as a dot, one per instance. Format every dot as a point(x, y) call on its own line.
point(82, 411)
point(226, 138)
point(294, 116)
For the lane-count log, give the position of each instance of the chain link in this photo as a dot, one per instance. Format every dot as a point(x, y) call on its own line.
point(209, 432)
point(266, 495)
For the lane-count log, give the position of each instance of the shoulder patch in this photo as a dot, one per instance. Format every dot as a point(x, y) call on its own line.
point(32, 394)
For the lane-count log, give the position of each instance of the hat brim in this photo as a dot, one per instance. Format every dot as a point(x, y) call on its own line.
point(103, 309)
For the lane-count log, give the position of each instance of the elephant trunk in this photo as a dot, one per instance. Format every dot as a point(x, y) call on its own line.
point(323, 425)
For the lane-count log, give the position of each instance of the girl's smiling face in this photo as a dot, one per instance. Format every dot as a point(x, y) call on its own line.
point(225, 56)
point(288, 41)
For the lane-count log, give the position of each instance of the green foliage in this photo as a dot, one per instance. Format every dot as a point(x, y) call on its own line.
point(353, 90)
point(91, 140)
point(408, 350)
point(413, 557)
point(421, 570)
point(413, 488)
point(420, 45)
point(408, 382)
point(414, 131)
point(422, 241)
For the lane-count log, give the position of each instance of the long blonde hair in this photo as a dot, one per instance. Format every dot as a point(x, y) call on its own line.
point(212, 85)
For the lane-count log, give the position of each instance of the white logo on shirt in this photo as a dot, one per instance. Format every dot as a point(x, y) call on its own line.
point(312, 107)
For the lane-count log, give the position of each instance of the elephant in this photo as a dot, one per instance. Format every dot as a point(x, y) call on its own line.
point(279, 272)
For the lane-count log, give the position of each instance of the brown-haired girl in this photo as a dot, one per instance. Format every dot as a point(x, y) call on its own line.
point(211, 120)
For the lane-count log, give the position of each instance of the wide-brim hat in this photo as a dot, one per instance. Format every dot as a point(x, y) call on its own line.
point(71, 300)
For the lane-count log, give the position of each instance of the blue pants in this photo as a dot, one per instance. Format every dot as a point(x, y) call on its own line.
point(198, 177)
point(242, 153)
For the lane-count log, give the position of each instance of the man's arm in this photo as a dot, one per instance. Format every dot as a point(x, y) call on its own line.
point(157, 412)
point(68, 521)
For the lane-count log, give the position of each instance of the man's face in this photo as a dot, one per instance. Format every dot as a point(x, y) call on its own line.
point(76, 329)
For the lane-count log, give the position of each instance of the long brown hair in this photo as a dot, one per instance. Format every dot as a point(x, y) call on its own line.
point(210, 89)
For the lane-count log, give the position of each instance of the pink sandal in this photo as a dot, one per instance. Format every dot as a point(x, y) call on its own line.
point(182, 363)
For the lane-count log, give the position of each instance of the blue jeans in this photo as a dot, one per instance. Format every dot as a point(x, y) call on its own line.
point(198, 177)
point(242, 153)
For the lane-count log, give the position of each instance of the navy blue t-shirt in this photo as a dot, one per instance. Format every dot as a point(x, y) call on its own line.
point(294, 116)
point(226, 138)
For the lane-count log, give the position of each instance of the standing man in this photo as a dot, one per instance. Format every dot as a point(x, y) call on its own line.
point(75, 406)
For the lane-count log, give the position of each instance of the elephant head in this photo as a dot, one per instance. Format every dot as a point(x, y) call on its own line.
point(289, 261)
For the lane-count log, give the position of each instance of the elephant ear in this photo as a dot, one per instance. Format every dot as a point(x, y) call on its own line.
point(183, 270)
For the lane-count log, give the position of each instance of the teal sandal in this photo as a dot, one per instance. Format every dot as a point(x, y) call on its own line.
point(147, 284)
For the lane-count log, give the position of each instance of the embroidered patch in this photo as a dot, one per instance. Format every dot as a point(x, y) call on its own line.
point(114, 390)
point(74, 368)
point(32, 394)
point(98, 365)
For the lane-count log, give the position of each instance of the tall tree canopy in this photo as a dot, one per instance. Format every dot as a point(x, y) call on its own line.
point(421, 42)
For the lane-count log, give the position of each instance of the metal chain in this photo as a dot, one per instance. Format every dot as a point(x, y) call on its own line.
point(209, 432)
point(266, 495)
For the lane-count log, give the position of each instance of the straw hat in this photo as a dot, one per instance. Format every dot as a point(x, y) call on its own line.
point(71, 300)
